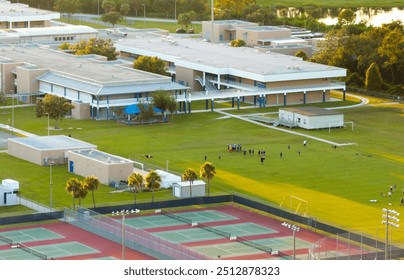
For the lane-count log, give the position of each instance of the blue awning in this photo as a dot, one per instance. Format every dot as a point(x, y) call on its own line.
point(132, 109)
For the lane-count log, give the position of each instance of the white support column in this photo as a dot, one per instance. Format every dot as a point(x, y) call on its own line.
point(218, 81)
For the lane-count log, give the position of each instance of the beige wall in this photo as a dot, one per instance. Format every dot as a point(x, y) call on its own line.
point(26, 79)
point(86, 166)
point(34, 155)
point(81, 111)
point(185, 75)
point(252, 36)
point(7, 77)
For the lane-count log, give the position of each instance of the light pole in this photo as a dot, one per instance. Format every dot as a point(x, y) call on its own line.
point(389, 219)
point(12, 112)
point(123, 213)
point(48, 123)
point(144, 15)
point(294, 228)
point(175, 9)
point(167, 161)
point(50, 185)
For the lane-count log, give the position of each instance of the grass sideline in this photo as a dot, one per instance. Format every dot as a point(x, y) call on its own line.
point(337, 183)
point(333, 4)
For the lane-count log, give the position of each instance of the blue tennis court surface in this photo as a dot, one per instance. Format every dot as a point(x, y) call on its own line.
point(58, 250)
point(157, 221)
point(31, 234)
point(199, 234)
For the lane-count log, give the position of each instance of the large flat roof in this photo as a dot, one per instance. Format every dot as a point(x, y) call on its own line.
point(101, 156)
point(55, 142)
point(92, 72)
point(221, 59)
point(20, 12)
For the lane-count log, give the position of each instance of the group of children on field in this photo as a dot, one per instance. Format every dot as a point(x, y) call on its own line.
point(392, 189)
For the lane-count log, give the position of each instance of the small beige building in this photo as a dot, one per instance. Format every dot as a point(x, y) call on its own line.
point(311, 117)
point(45, 150)
point(106, 167)
point(19, 15)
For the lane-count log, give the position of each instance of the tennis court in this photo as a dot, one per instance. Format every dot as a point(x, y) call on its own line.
point(52, 251)
point(58, 241)
point(29, 235)
point(226, 232)
point(220, 232)
point(158, 221)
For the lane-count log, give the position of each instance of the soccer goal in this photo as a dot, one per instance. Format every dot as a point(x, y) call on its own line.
point(298, 205)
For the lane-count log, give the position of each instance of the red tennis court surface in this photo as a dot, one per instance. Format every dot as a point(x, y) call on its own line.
point(239, 222)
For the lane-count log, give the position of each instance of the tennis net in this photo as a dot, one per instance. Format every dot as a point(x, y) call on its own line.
point(6, 240)
point(214, 230)
point(254, 244)
point(176, 217)
point(32, 251)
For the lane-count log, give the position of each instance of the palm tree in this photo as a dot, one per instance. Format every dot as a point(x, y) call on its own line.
point(135, 180)
point(189, 175)
point(91, 183)
point(153, 181)
point(81, 193)
point(207, 171)
point(73, 187)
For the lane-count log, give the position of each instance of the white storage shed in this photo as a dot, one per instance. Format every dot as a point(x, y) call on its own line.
point(8, 192)
point(182, 189)
point(310, 117)
point(167, 179)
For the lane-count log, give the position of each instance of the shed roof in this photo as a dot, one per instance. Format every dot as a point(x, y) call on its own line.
point(311, 111)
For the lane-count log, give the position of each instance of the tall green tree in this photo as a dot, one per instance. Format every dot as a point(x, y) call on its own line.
point(108, 6)
point(53, 106)
point(104, 47)
point(346, 17)
point(165, 102)
point(207, 171)
point(91, 183)
point(153, 182)
point(189, 175)
point(151, 64)
point(232, 8)
point(112, 17)
point(374, 79)
point(146, 111)
point(125, 9)
point(68, 7)
point(392, 49)
point(135, 181)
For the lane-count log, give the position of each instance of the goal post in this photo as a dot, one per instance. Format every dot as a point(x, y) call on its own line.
point(299, 205)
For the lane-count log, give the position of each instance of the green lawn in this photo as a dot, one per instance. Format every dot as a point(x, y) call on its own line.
point(337, 183)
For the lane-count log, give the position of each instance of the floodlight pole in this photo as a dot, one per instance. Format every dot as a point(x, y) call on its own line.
point(123, 213)
point(50, 186)
point(294, 229)
point(389, 218)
